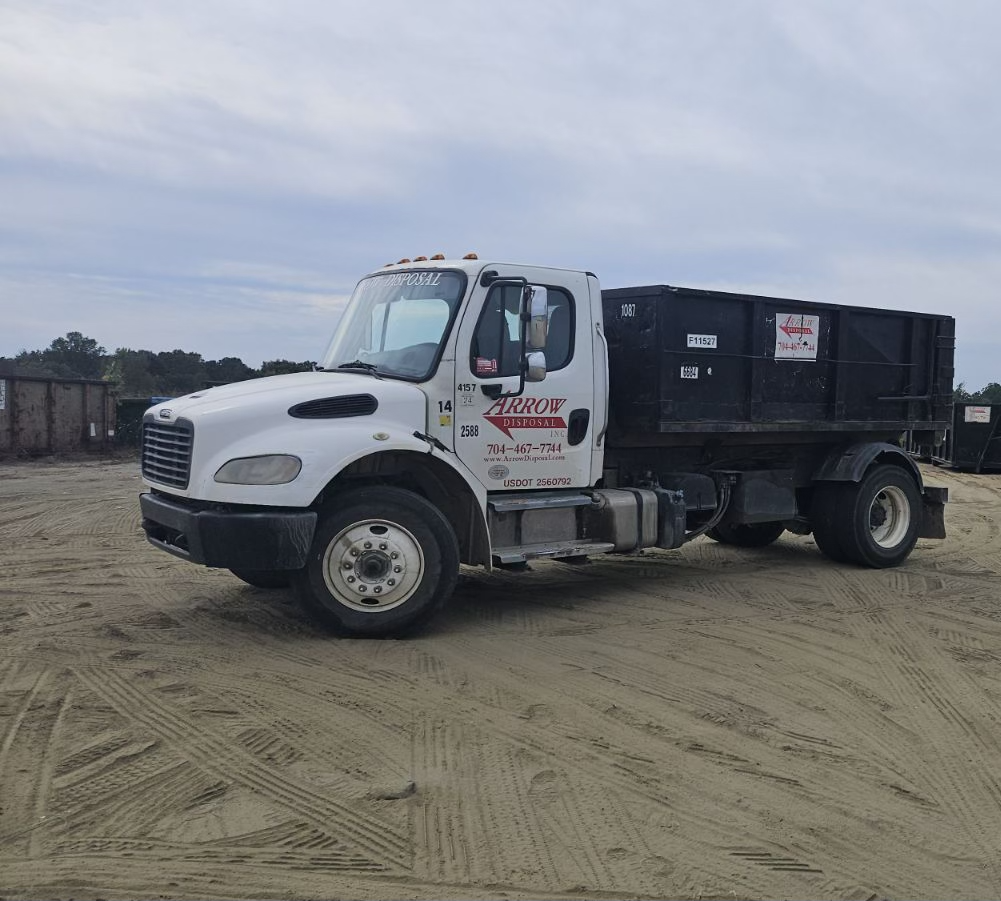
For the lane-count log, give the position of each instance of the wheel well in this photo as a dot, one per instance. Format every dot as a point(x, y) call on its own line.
point(901, 461)
point(852, 463)
point(431, 479)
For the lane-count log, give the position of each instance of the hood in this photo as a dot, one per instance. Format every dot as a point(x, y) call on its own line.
point(277, 393)
point(252, 419)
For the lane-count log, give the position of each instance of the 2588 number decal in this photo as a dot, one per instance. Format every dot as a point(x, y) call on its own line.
point(469, 431)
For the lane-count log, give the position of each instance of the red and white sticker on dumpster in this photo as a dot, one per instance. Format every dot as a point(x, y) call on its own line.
point(796, 336)
point(973, 414)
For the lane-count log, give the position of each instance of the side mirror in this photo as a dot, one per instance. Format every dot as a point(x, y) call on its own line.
point(535, 365)
point(537, 308)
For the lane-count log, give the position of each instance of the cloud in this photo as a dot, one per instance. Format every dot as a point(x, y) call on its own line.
point(212, 155)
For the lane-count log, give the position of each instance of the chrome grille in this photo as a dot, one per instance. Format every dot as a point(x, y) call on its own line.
point(166, 453)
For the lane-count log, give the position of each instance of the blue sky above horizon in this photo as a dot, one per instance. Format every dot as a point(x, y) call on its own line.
point(214, 176)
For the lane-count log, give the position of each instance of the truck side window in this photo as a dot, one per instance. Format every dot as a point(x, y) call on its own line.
point(496, 350)
point(559, 344)
point(496, 347)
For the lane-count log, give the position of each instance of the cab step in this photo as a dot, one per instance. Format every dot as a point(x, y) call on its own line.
point(504, 556)
point(537, 500)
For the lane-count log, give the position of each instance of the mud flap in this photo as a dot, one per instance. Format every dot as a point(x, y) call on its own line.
point(933, 503)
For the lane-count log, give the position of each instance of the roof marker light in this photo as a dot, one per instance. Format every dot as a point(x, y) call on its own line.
point(438, 256)
point(404, 260)
point(420, 259)
point(470, 256)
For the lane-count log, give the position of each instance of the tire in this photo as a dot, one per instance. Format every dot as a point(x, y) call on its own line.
point(878, 518)
point(757, 534)
point(264, 578)
point(825, 523)
point(383, 562)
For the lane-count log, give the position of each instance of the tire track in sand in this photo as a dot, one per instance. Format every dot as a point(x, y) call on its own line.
point(902, 652)
point(224, 760)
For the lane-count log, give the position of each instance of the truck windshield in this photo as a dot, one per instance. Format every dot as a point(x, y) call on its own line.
point(395, 323)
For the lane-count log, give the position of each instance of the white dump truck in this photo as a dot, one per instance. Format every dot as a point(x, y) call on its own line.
point(490, 414)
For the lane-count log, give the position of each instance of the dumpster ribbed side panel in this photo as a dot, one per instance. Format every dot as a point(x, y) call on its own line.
point(52, 416)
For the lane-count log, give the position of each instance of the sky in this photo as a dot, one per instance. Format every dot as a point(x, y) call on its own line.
point(215, 175)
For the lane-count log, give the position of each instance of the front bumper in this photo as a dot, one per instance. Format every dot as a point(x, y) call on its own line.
point(231, 537)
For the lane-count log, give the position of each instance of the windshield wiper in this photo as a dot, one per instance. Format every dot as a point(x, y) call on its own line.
point(363, 366)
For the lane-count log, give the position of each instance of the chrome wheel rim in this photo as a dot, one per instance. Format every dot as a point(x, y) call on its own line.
point(889, 517)
point(373, 566)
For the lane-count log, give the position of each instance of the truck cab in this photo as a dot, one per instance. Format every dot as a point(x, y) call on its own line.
point(461, 334)
point(460, 416)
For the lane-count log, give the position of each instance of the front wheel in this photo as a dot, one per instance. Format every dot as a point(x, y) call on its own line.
point(383, 562)
point(751, 534)
point(878, 519)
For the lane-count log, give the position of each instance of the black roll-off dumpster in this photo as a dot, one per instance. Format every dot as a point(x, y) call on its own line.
point(689, 361)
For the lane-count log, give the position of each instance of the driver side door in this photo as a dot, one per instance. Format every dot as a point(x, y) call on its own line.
point(541, 437)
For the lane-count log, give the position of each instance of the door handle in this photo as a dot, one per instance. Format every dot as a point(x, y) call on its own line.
point(577, 425)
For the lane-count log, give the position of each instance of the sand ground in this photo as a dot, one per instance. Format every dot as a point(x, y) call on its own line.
point(710, 722)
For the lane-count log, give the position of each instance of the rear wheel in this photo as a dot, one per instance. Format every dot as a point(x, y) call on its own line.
point(264, 578)
point(880, 517)
point(825, 522)
point(754, 534)
point(382, 563)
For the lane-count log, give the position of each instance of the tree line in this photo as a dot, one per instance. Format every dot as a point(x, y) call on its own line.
point(989, 394)
point(138, 373)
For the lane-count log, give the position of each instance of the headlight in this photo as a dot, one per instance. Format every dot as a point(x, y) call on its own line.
point(274, 469)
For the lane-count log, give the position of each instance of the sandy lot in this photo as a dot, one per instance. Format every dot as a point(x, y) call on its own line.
point(709, 722)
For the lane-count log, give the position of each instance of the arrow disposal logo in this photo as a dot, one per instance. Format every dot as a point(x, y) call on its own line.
point(796, 325)
point(526, 413)
point(796, 336)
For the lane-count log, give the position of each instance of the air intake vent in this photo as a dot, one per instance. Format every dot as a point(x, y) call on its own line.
point(335, 407)
point(166, 452)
